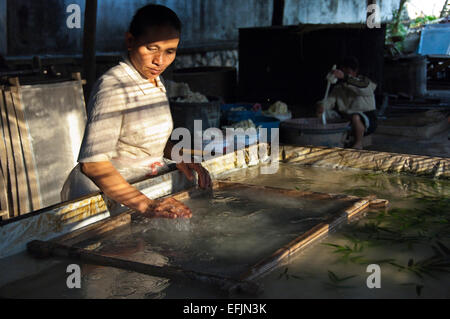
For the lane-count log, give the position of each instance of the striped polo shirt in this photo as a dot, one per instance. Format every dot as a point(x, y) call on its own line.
point(129, 120)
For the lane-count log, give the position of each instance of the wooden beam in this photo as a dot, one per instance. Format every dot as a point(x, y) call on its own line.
point(93, 230)
point(313, 235)
point(5, 199)
point(77, 77)
point(42, 249)
point(89, 52)
point(20, 169)
point(11, 176)
point(278, 12)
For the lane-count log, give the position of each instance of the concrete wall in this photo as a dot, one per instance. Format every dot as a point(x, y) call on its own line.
point(203, 21)
point(229, 58)
point(39, 26)
point(334, 11)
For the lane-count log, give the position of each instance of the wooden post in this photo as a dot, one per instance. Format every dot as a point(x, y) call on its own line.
point(89, 61)
point(17, 152)
point(5, 184)
point(30, 165)
point(8, 131)
point(7, 159)
point(3, 29)
point(77, 77)
point(278, 12)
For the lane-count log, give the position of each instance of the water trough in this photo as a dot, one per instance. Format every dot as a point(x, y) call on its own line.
point(72, 222)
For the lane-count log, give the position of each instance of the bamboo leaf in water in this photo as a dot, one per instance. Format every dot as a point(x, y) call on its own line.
point(444, 249)
point(336, 281)
point(332, 276)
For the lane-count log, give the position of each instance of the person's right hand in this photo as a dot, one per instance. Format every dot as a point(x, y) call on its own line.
point(339, 74)
point(168, 208)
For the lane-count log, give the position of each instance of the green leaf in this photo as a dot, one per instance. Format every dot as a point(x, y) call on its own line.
point(332, 276)
point(397, 265)
point(332, 245)
point(346, 278)
point(443, 248)
point(436, 250)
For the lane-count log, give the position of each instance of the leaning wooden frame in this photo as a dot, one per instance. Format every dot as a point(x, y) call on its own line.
point(34, 160)
point(68, 244)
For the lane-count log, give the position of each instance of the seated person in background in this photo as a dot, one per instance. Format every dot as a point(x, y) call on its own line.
point(353, 99)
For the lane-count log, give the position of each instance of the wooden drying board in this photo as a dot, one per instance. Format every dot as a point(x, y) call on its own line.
point(65, 246)
point(46, 112)
point(36, 160)
point(356, 206)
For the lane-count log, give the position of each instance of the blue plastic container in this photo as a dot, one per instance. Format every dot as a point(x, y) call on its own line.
point(435, 39)
point(231, 117)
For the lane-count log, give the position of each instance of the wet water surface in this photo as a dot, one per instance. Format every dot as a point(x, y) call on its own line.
point(234, 228)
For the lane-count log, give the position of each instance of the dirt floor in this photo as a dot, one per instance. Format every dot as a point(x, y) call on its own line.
point(437, 146)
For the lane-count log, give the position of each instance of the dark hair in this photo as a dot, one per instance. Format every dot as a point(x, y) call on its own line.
point(153, 15)
point(350, 62)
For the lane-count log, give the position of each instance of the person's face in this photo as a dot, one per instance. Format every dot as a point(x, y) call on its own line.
point(154, 51)
point(349, 71)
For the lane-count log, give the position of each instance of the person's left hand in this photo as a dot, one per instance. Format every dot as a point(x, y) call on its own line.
point(204, 180)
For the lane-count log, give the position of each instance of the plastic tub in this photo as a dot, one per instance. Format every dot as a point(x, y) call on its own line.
point(311, 131)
